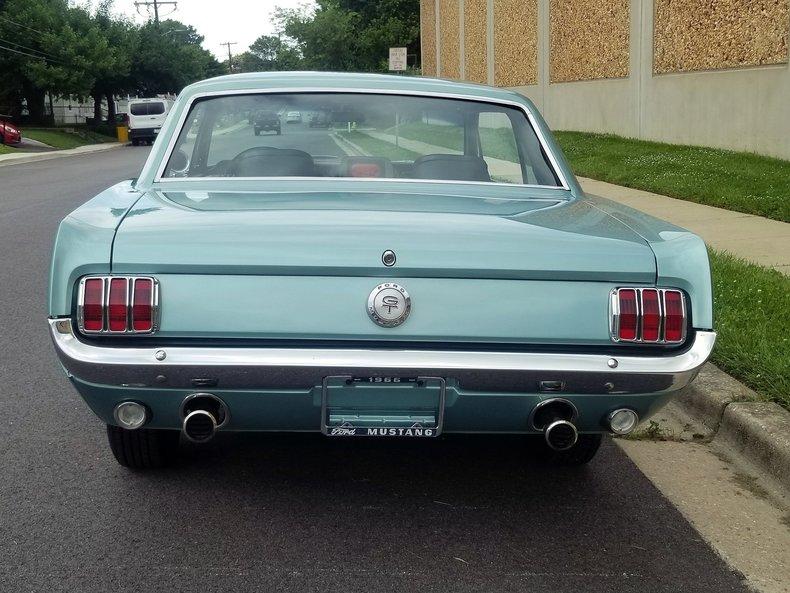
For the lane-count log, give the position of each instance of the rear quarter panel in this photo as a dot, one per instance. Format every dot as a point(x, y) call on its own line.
point(681, 257)
point(83, 244)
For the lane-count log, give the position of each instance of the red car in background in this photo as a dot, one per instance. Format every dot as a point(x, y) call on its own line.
point(9, 133)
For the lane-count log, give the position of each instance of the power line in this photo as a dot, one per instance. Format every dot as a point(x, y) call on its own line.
point(230, 56)
point(156, 4)
point(44, 54)
point(4, 18)
point(24, 53)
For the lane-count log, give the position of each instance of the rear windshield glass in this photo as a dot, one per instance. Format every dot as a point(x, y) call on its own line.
point(147, 108)
point(359, 135)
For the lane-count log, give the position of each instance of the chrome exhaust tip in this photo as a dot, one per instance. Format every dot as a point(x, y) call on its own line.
point(204, 414)
point(549, 410)
point(199, 426)
point(561, 435)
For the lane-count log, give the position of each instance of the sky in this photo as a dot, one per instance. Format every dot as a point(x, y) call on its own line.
point(242, 21)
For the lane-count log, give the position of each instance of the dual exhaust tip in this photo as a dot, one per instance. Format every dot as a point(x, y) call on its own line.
point(556, 418)
point(204, 414)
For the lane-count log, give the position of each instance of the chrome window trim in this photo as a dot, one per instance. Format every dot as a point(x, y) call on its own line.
point(158, 176)
point(130, 281)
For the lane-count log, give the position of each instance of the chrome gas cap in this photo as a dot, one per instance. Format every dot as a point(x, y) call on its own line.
point(389, 304)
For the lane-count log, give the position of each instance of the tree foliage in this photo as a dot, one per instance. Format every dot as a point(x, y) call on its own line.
point(339, 35)
point(60, 48)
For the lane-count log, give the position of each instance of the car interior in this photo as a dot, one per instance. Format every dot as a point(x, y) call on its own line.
point(472, 145)
point(268, 161)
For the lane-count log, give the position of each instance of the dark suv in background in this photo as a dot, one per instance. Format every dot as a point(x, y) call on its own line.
point(266, 121)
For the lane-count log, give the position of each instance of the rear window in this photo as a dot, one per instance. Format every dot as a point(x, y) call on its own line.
point(361, 135)
point(155, 108)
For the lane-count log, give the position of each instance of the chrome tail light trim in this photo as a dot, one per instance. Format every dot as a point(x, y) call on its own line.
point(614, 315)
point(105, 299)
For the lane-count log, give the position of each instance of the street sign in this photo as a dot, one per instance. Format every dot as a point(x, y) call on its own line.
point(397, 58)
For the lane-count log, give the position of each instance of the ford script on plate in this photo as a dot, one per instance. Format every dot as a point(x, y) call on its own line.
point(353, 431)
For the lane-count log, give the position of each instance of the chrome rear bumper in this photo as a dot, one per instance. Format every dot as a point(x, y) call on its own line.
point(304, 368)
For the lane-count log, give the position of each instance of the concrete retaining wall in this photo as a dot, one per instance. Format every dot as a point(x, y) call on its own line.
point(737, 108)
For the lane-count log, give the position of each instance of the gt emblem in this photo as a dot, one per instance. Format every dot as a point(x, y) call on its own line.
point(389, 304)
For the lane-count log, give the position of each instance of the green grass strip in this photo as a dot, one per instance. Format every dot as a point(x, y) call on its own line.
point(63, 139)
point(739, 181)
point(752, 318)
point(379, 148)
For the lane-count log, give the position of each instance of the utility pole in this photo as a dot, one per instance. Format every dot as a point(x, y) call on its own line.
point(230, 56)
point(156, 4)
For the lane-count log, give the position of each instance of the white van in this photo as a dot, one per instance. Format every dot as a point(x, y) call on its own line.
point(146, 117)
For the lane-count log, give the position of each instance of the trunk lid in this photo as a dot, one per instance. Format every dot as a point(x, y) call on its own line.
point(345, 235)
point(302, 266)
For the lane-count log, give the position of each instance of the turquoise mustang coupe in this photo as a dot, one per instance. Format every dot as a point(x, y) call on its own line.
point(426, 263)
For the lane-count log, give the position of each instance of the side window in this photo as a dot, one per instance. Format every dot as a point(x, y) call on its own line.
point(498, 147)
point(156, 108)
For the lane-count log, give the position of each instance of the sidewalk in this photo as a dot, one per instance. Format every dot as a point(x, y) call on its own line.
point(757, 239)
point(28, 157)
point(496, 167)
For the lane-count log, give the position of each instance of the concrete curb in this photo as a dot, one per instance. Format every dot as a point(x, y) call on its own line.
point(18, 159)
point(758, 431)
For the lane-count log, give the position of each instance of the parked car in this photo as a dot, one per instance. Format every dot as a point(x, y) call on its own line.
point(146, 117)
point(293, 117)
point(9, 133)
point(266, 121)
point(319, 120)
point(410, 292)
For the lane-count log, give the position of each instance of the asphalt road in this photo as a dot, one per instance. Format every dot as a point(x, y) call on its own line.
point(299, 136)
point(297, 513)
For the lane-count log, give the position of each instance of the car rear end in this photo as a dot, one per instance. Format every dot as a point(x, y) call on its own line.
point(267, 121)
point(382, 294)
point(208, 313)
point(9, 133)
point(145, 119)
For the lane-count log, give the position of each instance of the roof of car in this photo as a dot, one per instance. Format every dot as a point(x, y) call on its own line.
point(346, 81)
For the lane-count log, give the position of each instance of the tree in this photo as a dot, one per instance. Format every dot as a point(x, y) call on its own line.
point(115, 77)
point(169, 57)
point(351, 34)
point(50, 46)
point(269, 53)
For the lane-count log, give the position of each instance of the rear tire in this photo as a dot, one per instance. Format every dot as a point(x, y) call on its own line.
point(257, 132)
point(143, 448)
point(135, 142)
point(580, 454)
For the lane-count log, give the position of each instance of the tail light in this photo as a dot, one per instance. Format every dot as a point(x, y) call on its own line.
point(647, 315)
point(118, 305)
point(92, 307)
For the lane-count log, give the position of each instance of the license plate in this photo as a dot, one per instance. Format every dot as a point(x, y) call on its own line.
point(410, 432)
point(382, 406)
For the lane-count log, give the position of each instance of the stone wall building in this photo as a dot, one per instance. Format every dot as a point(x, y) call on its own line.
point(705, 72)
